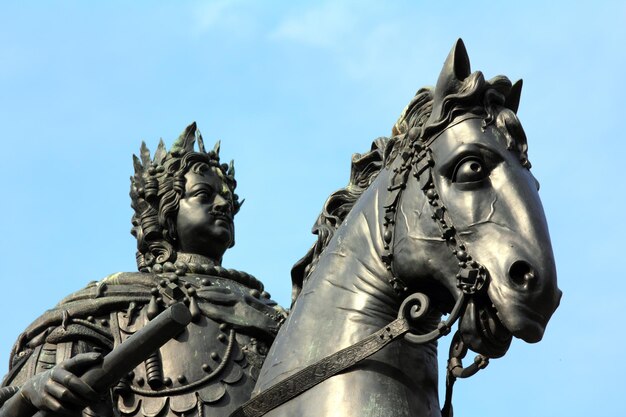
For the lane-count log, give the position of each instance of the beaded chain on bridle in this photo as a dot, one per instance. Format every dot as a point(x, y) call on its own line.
point(415, 156)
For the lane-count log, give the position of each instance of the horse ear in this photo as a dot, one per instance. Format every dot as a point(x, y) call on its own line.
point(455, 69)
point(460, 60)
point(512, 100)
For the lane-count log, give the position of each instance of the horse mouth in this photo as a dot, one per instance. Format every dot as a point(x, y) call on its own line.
point(483, 331)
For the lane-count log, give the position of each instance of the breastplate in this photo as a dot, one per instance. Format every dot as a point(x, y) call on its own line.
point(208, 369)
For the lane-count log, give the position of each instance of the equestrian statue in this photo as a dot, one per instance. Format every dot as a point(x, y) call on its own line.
point(440, 229)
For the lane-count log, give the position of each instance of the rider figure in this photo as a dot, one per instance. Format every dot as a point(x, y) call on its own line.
point(184, 204)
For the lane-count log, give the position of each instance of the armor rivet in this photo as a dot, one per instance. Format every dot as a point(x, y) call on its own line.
point(157, 269)
point(265, 294)
point(221, 337)
point(461, 255)
point(168, 267)
point(223, 326)
point(388, 235)
point(163, 283)
point(154, 291)
point(205, 281)
point(215, 356)
point(140, 381)
point(206, 367)
point(167, 381)
point(104, 322)
point(173, 279)
point(90, 319)
point(187, 284)
point(255, 293)
point(191, 291)
point(181, 379)
point(180, 272)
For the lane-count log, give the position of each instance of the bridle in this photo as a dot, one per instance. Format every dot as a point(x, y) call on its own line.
point(415, 156)
point(411, 154)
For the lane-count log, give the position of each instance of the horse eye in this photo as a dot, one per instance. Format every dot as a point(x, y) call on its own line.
point(470, 169)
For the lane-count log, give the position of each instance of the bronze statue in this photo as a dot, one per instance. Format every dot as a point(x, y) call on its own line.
point(184, 204)
point(444, 217)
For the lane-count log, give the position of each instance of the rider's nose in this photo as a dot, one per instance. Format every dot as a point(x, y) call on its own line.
point(221, 204)
point(522, 274)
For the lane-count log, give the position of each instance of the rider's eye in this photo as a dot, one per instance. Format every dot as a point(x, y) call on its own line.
point(471, 169)
point(203, 194)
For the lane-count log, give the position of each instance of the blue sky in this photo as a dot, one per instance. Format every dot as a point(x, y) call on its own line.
point(292, 90)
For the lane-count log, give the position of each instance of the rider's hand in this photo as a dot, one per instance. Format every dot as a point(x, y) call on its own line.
point(60, 390)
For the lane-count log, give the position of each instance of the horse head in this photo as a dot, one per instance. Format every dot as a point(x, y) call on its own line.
point(463, 215)
point(443, 217)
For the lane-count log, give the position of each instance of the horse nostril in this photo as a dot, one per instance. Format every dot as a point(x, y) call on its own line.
point(522, 274)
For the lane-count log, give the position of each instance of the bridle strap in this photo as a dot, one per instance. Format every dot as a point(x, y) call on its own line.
point(414, 308)
point(320, 371)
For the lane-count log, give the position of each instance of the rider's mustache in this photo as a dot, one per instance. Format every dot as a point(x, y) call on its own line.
point(225, 215)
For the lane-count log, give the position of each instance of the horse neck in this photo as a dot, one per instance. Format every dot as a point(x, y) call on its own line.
point(348, 294)
point(350, 279)
point(347, 298)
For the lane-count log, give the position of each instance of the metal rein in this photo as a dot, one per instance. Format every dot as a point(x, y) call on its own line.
point(415, 156)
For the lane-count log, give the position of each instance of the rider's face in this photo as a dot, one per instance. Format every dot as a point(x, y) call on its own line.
point(204, 221)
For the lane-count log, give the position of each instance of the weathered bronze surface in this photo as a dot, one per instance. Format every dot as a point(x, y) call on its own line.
point(442, 218)
point(184, 205)
point(446, 208)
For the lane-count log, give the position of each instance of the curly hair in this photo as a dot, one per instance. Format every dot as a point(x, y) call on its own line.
point(156, 190)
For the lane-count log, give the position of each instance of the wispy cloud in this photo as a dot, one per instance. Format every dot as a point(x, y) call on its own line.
point(233, 16)
point(362, 40)
point(208, 14)
point(322, 26)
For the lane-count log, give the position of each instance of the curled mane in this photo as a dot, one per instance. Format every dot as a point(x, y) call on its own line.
point(364, 169)
point(474, 95)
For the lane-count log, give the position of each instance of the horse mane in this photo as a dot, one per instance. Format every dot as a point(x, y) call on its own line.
point(475, 95)
point(364, 169)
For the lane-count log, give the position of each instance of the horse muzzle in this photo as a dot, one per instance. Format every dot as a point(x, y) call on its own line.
point(525, 297)
point(519, 301)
